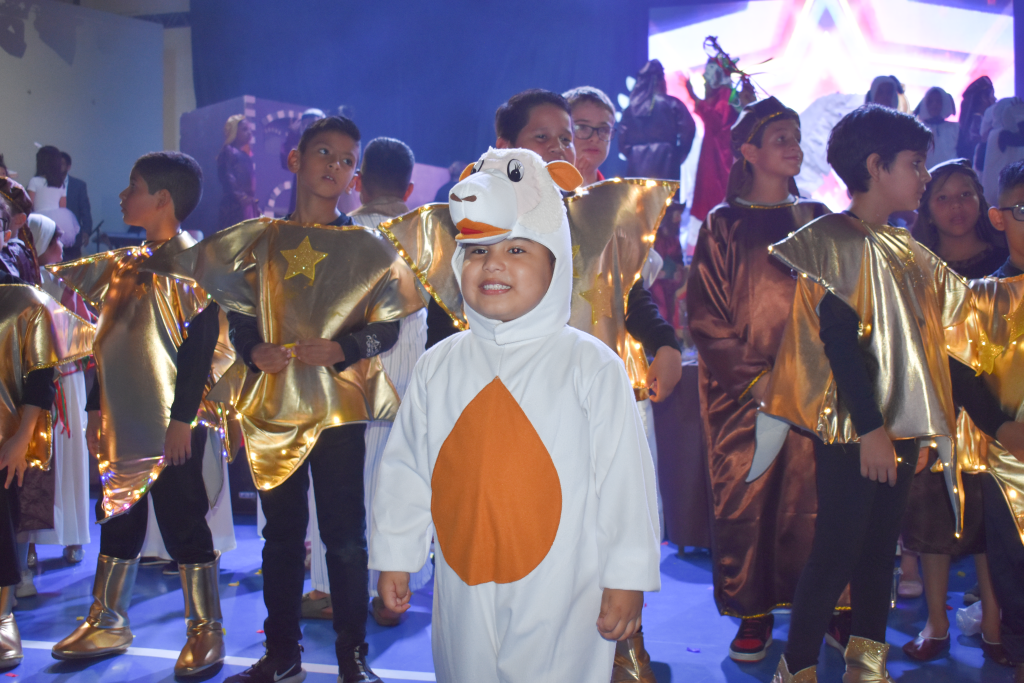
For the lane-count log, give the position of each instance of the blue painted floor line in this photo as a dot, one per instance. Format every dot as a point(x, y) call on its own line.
point(687, 639)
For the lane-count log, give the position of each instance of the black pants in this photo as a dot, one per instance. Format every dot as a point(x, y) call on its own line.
point(1006, 565)
point(180, 503)
point(10, 569)
point(855, 537)
point(336, 462)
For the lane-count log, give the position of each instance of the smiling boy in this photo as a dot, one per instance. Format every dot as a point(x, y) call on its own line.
point(520, 442)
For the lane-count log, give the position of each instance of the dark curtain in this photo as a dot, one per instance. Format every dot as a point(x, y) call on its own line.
point(428, 73)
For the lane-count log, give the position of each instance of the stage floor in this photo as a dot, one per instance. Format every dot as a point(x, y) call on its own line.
point(686, 637)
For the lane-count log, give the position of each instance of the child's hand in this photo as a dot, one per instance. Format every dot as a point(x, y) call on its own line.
point(1011, 436)
point(664, 373)
point(620, 613)
point(393, 589)
point(923, 456)
point(94, 432)
point(878, 457)
point(271, 357)
point(178, 443)
point(321, 352)
point(12, 456)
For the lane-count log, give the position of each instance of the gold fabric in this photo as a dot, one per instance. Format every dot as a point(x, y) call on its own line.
point(204, 648)
point(360, 280)
point(905, 297)
point(999, 305)
point(613, 225)
point(425, 238)
point(36, 332)
point(107, 630)
point(142, 323)
point(214, 415)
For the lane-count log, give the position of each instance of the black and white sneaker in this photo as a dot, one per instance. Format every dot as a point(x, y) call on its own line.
point(352, 667)
point(270, 669)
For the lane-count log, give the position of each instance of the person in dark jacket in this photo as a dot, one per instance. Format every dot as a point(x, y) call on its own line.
point(78, 204)
point(657, 129)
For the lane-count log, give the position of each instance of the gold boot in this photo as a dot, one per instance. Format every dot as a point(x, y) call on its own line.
point(106, 630)
point(10, 639)
point(782, 675)
point(205, 645)
point(632, 663)
point(865, 661)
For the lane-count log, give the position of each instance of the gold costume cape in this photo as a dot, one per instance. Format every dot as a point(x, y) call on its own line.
point(301, 282)
point(143, 320)
point(613, 224)
point(991, 343)
point(905, 297)
point(36, 332)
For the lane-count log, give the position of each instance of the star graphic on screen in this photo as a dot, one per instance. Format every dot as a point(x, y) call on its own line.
point(598, 298)
point(303, 260)
point(1016, 321)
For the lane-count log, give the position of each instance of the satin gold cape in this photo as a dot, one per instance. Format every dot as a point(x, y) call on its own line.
point(143, 320)
point(906, 298)
point(36, 333)
point(357, 279)
point(991, 343)
point(613, 225)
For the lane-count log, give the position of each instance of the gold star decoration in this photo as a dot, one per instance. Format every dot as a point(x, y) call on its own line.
point(987, 353)
point(598, 298)
point(1016, 321)
point(303, 260)
point(575, 262)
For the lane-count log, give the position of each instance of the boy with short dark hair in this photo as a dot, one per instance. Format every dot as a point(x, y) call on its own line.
point(313, 299)
point(863, 366)
point(154, 347)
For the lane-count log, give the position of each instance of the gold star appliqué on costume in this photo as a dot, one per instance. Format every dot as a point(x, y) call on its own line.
point(303, 260)
point(598, 299)
point(1016, 321)
point(988, 352)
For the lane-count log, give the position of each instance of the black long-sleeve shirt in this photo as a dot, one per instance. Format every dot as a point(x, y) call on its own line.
point(367, 342)
point(854, 374)
point(195, 356)
point(643, 322)
point(38, 389)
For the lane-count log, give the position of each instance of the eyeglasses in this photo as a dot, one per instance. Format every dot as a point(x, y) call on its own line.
point(1018, 211)
point(585, 132)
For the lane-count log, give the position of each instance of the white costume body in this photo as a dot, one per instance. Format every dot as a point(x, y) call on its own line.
point(576, 395)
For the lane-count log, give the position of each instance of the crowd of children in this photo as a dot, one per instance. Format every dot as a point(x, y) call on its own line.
point(853, 390)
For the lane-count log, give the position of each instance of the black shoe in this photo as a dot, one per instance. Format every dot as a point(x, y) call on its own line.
point(170, 569)
point(352, 667)
point(151, 561)
point(972, 595)
point(272, 669)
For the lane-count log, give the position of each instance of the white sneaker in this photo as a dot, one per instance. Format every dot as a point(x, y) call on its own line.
point(25, 588)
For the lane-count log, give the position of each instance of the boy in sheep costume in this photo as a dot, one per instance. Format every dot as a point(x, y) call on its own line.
point(519, 441)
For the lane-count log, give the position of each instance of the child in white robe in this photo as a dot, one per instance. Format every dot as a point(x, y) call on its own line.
point(520, 443)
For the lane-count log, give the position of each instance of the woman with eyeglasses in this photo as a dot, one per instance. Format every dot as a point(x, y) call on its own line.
point(953, 222)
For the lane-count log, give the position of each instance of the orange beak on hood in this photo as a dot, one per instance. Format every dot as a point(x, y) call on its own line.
point(472, 230)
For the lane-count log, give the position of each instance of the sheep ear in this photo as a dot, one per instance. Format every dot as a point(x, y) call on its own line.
point(466, 172)
point(565, 175)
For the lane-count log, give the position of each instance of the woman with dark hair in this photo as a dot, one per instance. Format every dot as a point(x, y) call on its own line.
point(953, 222)
point(49, 196)
point(657, 129)
point(979, 96)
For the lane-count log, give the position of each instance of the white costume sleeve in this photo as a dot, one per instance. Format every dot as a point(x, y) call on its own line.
point(627, 515)
point(401, 526)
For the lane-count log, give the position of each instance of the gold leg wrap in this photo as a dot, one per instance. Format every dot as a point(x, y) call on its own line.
point(865, 661)
point(205, 646)
point(632, 663)
point(106, 630)
point(782, 675)
point(10, 639)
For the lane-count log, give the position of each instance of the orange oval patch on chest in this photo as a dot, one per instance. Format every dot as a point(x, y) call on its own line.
point(496, 499)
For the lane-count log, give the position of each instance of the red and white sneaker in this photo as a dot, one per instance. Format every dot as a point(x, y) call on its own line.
point(753, 639)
